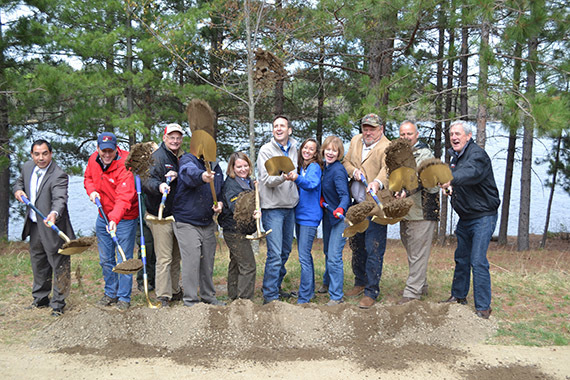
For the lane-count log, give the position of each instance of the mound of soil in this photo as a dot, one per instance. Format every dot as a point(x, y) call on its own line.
point(416, 331)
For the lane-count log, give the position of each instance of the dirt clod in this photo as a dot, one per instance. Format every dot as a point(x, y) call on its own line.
point(360, 211)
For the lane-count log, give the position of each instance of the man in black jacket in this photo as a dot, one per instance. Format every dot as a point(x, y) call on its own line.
point(475, 198)
point(165, 167)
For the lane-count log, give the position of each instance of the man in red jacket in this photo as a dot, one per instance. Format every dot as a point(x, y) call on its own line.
point(107, 178)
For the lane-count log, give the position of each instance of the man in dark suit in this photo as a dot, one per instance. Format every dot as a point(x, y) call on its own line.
point(45, 185)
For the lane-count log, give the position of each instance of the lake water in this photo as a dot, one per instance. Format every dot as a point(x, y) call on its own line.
point(84, 213)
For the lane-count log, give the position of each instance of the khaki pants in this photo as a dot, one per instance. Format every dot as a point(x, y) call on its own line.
point(167, 253)
point(417, 237)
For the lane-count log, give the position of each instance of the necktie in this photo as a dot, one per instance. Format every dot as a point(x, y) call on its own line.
point(35, 185)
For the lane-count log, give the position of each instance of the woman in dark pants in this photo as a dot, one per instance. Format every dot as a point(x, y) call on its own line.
point(241, 270)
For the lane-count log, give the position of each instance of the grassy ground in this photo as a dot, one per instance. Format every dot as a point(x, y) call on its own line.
point(531, 290)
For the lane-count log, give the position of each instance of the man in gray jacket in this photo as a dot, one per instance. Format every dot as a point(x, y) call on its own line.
point(278, 200)
point(45, 185)
point(418, 227)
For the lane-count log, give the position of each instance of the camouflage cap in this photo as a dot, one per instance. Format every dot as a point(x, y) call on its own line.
point(371, 119)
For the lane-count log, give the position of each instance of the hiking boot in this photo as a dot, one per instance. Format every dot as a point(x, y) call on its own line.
point(57, 312)
point(107, 301)
point(284, 294)
point(404, 300)
point(334, 302)
point(355, 292)
point(323, 289)
point(123, 305)
point(484, 313)
point(366, 302)
point(38, 304)
point(164, 301)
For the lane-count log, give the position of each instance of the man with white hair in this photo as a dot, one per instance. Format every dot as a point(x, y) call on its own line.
point(475, 198)
point(162, 178)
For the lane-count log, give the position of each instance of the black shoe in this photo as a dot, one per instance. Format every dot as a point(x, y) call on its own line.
point(178, 296)
point(107, 301)
point(38, 304)
point(284, 294)
point(323, 289)
point(57, 312)
point(452, 299)
point(265, 302)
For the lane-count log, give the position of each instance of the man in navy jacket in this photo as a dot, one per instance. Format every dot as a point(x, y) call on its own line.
point(475, 198)
point(193, 210)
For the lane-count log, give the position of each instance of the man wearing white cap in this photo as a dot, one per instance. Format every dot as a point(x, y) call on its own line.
point(165, 169)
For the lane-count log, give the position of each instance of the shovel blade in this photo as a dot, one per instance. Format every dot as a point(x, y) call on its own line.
point(435, 172)
point(131, 266)
point(72, 250)
point(202, 144)
point(403, 178)
point(279, 164)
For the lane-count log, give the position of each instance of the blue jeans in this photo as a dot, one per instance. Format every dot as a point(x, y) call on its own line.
point(305, 237)
point(333, 244)
point(279, 243)
point(473, 237)
point(116, 285)
point(368, 250)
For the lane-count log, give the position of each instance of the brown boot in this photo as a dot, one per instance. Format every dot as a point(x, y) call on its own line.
point(355, 292)
point(366, 302)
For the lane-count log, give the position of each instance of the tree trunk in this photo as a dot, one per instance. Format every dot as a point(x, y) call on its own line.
point(321, 92)
point(504, 226)
point(523, 243)
point(464, 75)
point(552, 186)
point(482, 92)
point(129, 70)
point(279, 100)
point(439, 84)
point(381, 55)
point(444, 201)
point(251, 100)
point(4, 149)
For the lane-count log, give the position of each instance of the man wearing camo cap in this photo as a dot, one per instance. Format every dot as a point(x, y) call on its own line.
point(366, 158)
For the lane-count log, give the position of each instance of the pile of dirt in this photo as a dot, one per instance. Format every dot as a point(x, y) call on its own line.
point(271, 333)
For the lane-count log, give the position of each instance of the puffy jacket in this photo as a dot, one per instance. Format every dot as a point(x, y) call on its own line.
point(475, 193)
point(230, 191)
point(115, 185)
point(193, 199)
point(308, 211)
point(335, 189)
point(164, 161)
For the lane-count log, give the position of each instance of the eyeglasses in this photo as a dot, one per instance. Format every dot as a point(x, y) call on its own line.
point(174, 138)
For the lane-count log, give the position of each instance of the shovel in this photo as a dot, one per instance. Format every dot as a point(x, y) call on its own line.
point(352, 229)
point(143, 246)
point(203, 145)
point(433, 172)
point(363, 179)
point(160, 220)
point(278, 165)
point(72, 247)
point(258, 234)
point(130, 266)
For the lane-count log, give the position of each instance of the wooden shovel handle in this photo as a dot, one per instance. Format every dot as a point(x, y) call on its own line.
point(209, 169)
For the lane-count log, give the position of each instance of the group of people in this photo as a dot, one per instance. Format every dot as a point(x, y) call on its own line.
point(324, 184)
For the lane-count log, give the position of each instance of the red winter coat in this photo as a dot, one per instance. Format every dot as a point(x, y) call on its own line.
point(116, 186)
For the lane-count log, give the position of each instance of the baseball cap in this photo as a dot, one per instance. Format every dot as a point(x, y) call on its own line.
point(173, 127)
point(371, 119)
point(107, 140)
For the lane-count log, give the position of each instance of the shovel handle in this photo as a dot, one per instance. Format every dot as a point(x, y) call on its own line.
point(50, 224)
point(363, 179)
point(163, 199)
point(338, 214)
point(209, 169)
point(112, 233)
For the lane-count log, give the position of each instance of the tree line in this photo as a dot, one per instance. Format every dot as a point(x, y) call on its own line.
point(74, 69)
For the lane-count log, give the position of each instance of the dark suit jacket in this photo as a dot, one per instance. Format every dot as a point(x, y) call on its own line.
point(51, 196)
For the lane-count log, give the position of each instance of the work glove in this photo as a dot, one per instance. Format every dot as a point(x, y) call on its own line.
point(338, 211)
point(322, 201)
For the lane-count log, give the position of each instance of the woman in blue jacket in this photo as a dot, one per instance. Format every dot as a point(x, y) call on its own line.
point(335, 194)
point(308, 214)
